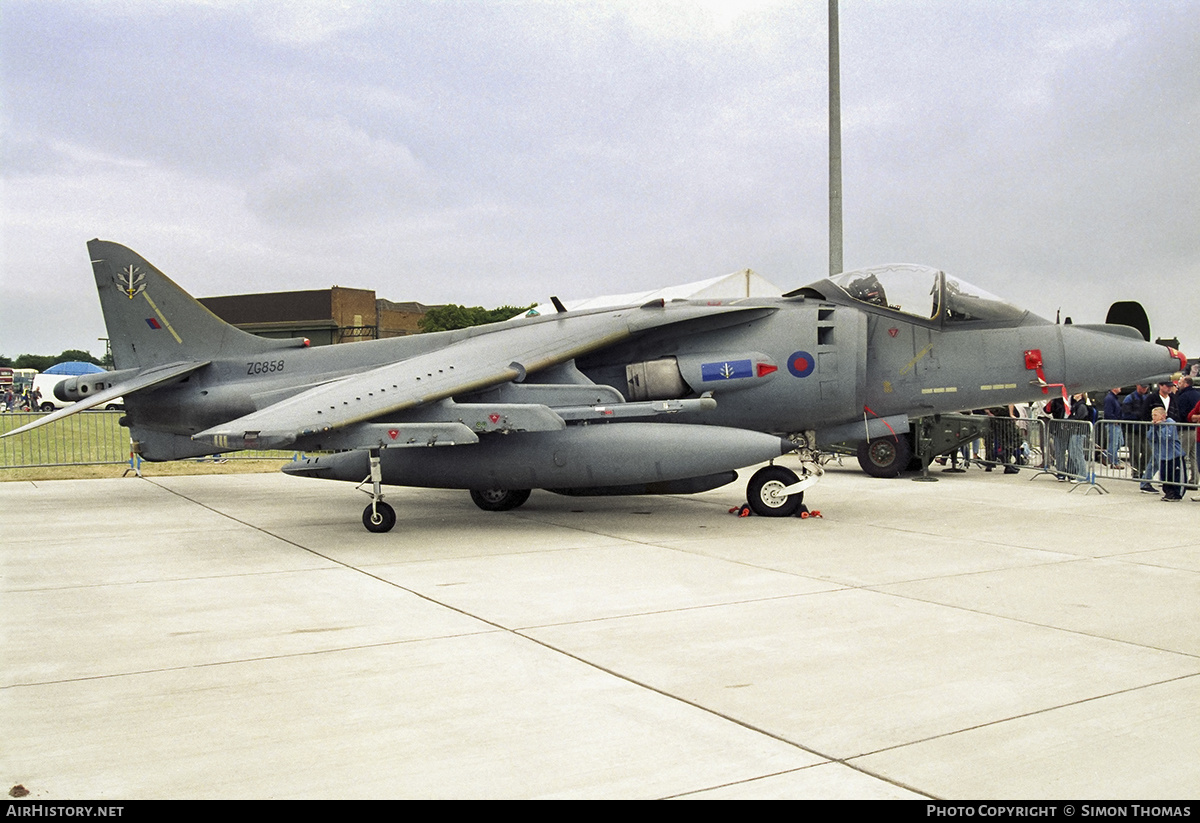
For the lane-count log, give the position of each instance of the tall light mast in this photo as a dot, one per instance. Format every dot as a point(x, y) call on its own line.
point(835, 146)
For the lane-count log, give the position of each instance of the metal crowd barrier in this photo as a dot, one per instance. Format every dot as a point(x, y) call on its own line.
point(1089, 453)
point(1015, 443)
point(1073, 450)
point(1132, 450)
point(86, 439)
point(1070, 445)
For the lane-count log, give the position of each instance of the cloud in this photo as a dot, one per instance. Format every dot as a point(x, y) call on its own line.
point(326, 173)
point(498, 151)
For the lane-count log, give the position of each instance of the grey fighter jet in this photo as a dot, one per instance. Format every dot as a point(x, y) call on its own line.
point(662, 398)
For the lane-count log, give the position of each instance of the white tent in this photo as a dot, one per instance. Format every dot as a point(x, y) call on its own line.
point(726, 287)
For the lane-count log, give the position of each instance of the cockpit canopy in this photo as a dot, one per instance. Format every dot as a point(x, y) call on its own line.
point(924, 292)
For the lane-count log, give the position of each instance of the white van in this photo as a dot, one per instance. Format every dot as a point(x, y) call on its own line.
point(45, 383)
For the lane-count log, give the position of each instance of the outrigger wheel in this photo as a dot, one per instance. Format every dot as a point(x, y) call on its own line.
point(499, 500)
point(764, 492)
point(379, 517)
point(885, 456)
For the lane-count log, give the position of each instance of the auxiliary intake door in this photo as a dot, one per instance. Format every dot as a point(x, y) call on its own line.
point(655, 380)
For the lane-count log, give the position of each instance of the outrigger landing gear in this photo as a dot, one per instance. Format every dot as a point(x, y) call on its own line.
point(885, 456)
point(379, 516)
point(499, 500)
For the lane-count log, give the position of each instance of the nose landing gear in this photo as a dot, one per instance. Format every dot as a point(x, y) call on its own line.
point(378, 517)
point(770, 492)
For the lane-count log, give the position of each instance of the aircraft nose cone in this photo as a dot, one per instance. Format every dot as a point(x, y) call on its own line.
point(1098, 359)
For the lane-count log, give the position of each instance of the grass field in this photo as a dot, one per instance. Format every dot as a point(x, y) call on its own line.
point(173, 468)
point(92, 444)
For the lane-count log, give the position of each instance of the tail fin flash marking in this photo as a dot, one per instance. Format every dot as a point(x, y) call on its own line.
point(162, 317)
point(136, 330)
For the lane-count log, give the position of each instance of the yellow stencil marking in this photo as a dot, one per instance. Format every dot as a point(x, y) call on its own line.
point(164, 320)
point(913, 362)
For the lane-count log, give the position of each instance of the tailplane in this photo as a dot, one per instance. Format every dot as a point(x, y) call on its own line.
point(151, 321)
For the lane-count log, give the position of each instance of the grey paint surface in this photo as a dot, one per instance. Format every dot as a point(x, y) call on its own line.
point(880, 345)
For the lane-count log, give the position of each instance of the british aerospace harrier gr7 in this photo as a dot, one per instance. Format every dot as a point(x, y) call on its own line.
point(662, 398)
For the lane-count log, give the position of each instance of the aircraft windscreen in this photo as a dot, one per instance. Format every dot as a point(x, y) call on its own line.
point(924, 292)
point(967, 302)
point(904, 288)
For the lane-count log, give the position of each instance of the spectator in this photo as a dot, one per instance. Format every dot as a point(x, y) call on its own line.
point(1113, 438)
point(1194, 417)
point(1167, 452)
point(1184, 400)
point(1134, 408)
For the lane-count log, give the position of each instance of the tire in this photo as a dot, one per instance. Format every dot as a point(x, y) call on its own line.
point(380, 519)
point(499, 500)
point(763, 492)
point(884, 456)
point(917, 463)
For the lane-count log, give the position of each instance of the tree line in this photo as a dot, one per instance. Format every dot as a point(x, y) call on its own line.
point(41, 362)
point(438, 318)
point(450, 317)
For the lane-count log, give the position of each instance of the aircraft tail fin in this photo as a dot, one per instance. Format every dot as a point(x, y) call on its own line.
point(1129, 313)
point(151, 321)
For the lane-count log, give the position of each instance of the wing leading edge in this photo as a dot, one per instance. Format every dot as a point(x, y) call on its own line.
point(498, 355)
point(147, 379)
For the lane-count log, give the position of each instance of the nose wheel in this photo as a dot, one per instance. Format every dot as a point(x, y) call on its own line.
point(379, 517)
point(767, 492)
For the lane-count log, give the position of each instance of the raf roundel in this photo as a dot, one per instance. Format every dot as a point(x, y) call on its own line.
point(801, 364)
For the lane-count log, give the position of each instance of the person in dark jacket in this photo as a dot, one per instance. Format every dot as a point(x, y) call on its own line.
point(1162, 397)
point(1136, 407)
point(1068, 440)
point(1182, 402)
point(1059, 409)
point(1081, 412)
point(1114, 438)
point(1185, 398)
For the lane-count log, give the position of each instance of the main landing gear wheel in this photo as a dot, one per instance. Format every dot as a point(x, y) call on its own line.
point(379, 517)
point(765, 494)
point(884, 456)
point(499, 500)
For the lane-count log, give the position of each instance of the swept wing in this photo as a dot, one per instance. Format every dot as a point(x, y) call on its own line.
point(147, 379)
point(497, 354)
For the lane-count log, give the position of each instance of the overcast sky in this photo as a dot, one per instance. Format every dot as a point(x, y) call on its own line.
point(499, 152)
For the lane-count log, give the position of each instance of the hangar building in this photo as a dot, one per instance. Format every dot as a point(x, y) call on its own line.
point(324, 316)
